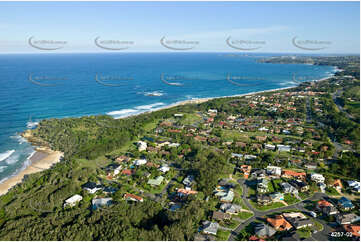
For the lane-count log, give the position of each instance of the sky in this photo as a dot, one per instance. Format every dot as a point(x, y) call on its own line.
point(254, 27)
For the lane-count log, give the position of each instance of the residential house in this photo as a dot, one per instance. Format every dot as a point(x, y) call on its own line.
point(132, 197)
point(355, 185)
point(220, 216)
point(284, 148)
point(164, 168)
point(274, 170)
point(230, 208)
point(140, 162)
point(185, 192)
point(122, 158)
point(259, 173)
point(101, 202)
point(288, 188)
point(294, 215)
point(246, 169)
point(127, 172)
point(279, 223)
point(262, 186)
point(317, 178)
point(269, 147)
point(235, 155)
point(250, 157)
point(326, 207)
point(277, 196)
point(293, 174)
point(322, 186)
point(348, 218)
point(228, 198)
point(298, 220)
point(72, 201)
point(210, 227)
point(353, 229)
point(300, 185)
point(109, 190)
point(345, 204)
point(301, 223)
point(264, 199)
point(156, 182)
point(264, 231)
point(188, 181)
point(255, 238)
point(311, 166)
point(92, 187)
point(337, 184)
point(141, 145)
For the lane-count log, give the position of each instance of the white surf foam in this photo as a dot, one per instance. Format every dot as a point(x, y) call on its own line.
point(19, 138)
point(6, 154)
point(13, 159)
point(31, 124)
point(149, 107)
point(2, 168)
point(122, 112)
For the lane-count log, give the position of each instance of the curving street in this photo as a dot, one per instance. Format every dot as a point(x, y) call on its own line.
point(320, 235)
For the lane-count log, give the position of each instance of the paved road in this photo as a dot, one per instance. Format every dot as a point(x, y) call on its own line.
point(334, 97)
point(259, 213)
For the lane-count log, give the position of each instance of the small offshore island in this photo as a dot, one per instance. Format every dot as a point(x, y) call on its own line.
point(275, 165)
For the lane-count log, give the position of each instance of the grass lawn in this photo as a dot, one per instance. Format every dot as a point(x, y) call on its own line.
point(270, 187)
point(276, 184)
point(240, 202)
point(332, 191)
point(267, 207)
point(318, 226)
point(232, 224)
point(289, 199)
point(244, 215)
point(223, 234)
point(304, 233)
point(251, 190)
point(189, 119)
point(304, 195)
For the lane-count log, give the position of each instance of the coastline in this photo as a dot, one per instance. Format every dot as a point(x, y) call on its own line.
point(202, 100)
point(41, 159)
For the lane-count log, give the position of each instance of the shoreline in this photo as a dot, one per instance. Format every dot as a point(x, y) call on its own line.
point(41, 159)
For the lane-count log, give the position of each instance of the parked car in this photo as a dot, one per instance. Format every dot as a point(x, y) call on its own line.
point(313, 214)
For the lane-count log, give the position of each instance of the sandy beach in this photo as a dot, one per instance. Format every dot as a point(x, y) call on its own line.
point(41, 160)
point(202, 100)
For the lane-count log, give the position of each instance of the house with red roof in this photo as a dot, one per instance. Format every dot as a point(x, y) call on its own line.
point(132, 197)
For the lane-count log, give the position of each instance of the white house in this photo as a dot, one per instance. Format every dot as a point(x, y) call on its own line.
point(164, 168)
point(269, 146)
point(286, 148)
point(142, 145)
point(212, 111)
point(140, 162)
point(101, 202)
point(173, 145)
point(274, 170)
point(73, 200)
point(250, 157)
point(317, 178)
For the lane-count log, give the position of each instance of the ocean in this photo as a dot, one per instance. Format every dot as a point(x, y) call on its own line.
point(41, 86)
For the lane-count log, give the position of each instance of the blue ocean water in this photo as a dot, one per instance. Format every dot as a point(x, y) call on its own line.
point(40, 86)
